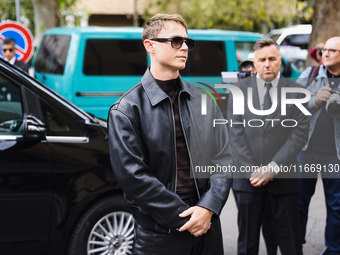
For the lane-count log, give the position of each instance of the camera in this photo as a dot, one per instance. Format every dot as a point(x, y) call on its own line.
point(334, 103)
point(231, 77)
point(244, 74)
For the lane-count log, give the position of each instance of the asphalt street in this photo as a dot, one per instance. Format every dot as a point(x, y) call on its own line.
point(315, 226)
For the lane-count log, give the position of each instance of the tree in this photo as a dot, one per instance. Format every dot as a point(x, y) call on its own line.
point(248, 15)
point(48, 14)
point(7, 12)
point(325, 23)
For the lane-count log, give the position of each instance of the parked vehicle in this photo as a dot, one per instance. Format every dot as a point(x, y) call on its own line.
point(93, 66)
point(293, 42)
point(57, 191)
point(297, 35)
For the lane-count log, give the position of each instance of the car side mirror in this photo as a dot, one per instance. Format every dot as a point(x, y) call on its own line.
point(34, 128)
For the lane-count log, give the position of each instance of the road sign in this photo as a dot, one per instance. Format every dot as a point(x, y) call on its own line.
point(22, 37)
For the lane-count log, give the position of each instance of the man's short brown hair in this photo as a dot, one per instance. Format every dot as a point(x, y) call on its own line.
point(265, 42)
point(155, 24)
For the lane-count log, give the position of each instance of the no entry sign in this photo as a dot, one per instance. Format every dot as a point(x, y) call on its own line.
point(22, 37)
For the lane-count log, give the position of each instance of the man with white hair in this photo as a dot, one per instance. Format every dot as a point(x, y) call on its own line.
point(323, 146)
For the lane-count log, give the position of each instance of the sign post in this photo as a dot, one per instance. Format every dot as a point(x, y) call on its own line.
point(22, 37)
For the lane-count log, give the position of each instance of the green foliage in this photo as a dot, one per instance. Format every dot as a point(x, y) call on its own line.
point(304, 11)
point(65, 4)
point(8, 12)
point(247, 15)
point(65, 8)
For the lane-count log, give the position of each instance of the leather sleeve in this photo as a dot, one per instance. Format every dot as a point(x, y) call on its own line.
point(216, 195)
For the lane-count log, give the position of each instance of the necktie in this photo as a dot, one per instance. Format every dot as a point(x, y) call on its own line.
point(267, 102)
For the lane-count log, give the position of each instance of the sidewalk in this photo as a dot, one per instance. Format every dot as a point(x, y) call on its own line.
point(315, 227)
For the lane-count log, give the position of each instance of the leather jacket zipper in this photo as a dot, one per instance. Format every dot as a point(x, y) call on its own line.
point(186, 144)
point(174, 128)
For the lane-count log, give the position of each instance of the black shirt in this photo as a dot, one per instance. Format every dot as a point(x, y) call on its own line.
point(184, 182)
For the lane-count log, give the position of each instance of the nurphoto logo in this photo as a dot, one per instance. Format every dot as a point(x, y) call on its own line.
point(239, 104)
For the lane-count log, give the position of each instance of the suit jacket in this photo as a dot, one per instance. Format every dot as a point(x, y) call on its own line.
point(256, 146)
point(21, 65)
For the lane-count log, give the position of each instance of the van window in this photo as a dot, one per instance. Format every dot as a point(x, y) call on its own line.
point(52, 54)
point(114, 57)
point(244, 51)
point(208, 58)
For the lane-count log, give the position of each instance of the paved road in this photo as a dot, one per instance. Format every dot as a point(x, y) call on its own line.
point(315, 227)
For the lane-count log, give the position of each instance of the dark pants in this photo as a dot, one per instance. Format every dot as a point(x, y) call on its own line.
point(148, 242)
point(278, 215)
point(178, 243)
point(331, 185)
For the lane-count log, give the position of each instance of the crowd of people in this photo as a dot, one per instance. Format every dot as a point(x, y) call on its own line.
point(157, 134)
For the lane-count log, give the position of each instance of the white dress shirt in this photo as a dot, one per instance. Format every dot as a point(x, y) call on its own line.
point(261, 88)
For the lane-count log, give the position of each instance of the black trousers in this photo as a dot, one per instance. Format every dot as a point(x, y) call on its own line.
point(178, 243)
point(148, 242)
point(279, 217)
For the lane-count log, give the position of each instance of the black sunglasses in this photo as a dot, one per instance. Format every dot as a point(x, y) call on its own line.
point(177, 41)
point(7, 50)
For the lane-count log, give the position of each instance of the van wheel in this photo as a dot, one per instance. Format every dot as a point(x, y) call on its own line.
point(106, 228)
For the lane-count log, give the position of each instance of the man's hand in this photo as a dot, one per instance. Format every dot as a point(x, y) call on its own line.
point(199, 222)
point(323, 95)
point(261, 176)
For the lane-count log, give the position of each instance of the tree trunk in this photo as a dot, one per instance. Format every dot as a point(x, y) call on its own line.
point(46, 15)
point(325, 23)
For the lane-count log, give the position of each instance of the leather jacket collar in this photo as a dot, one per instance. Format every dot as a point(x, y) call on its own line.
point(155, 93)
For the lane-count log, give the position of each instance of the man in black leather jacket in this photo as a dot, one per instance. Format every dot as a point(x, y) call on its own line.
point(159, 142)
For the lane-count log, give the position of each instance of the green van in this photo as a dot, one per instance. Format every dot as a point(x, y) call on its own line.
point(93, 66)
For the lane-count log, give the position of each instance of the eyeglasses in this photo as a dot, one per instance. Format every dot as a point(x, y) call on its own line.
point(10, 49)
point(177, 41)
point(329, 50)
point(319, 52)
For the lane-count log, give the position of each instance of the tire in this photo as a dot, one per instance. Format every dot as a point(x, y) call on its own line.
point(105, 228)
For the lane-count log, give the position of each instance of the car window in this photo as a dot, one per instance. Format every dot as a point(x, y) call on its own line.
point(52, 54)
point(56, 123)
point(208, 58)
point(299, 40)
point(11, 113)
point(244, 51)
point(114, 57)
point(275, 36)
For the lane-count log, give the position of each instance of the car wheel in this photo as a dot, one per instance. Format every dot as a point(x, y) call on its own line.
point(106, 228)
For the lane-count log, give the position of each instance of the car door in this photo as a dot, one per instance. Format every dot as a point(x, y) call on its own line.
point(25, 169)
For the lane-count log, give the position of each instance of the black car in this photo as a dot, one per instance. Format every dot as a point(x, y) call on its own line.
point(57, 191)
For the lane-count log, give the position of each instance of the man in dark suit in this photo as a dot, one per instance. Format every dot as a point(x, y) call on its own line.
point(8, 51)
point(263, 144)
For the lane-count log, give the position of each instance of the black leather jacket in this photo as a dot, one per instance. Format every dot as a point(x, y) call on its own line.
point(143, 152)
